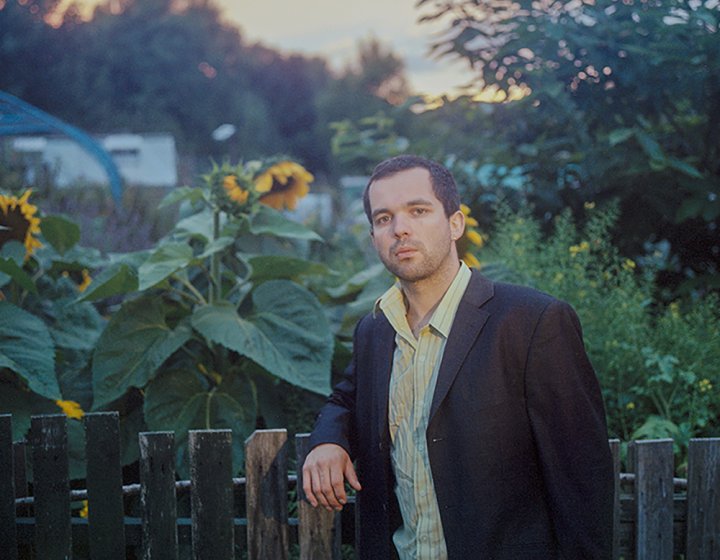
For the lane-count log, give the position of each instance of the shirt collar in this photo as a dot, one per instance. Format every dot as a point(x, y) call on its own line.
point(392, 303)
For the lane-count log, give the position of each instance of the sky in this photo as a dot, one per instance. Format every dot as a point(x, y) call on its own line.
point(332, 29)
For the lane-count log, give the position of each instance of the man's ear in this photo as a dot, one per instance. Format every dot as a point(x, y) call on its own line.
point(457, 225)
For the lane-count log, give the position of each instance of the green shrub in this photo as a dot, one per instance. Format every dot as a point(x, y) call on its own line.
point(657, 364)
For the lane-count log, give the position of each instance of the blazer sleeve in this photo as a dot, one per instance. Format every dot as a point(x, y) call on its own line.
point(335, 423)
point(567, 415)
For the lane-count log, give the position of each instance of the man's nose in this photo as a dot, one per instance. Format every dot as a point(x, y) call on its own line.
point(401, 226)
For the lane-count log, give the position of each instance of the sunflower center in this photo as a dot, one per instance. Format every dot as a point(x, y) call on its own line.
point(13, 226)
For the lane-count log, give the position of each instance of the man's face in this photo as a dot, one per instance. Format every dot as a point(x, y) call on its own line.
point(410, 231)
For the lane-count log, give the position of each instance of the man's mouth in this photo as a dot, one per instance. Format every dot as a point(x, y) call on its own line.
point(405, 252)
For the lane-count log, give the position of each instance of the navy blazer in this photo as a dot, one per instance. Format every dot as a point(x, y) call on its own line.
point(517, 438)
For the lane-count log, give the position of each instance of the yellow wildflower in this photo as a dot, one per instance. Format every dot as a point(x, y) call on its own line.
point(86, 280)
point(630, 405)
point(234, 191)
point(629, 264)
point(471, 260)
point(577, 249)
point(71, 409)
point(469, 220)
point(18, 222)
point(558, 277)
point(705, 385)
point(589, 205)
point(282, 184)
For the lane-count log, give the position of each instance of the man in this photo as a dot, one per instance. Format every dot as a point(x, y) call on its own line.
point(470, 407)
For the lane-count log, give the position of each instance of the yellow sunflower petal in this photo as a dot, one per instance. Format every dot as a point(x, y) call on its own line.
point(264, 183)
point(474, 237)
point(471, 260)
point(71, 409)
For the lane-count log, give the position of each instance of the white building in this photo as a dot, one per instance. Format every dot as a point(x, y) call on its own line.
point(145, 160)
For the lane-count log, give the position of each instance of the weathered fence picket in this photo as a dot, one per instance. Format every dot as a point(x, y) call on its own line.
point(657, 516)
point(157, 496)
point(211, 493)
point(703, 516)
point(51, 487)
point(266, 466)
point(106, 534)
point(319, 530)
point(8, 530)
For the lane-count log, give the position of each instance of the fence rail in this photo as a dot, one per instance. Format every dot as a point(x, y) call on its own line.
point(657, 516)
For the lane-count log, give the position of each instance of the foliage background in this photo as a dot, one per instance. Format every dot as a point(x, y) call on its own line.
point(598, 183)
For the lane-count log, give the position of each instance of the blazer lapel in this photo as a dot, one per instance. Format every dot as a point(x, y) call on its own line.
point(382, 367)
point(469, 321)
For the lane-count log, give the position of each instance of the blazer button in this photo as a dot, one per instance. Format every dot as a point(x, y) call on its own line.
point(380, 446)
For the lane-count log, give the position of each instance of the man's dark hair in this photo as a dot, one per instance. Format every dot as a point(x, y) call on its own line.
point(442, 181)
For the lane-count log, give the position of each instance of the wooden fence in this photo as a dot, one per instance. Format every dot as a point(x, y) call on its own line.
point(657, 517)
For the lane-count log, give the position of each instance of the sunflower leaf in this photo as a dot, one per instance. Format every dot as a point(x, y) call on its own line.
point(133, 346)
point(269, 267)
point(288, 334)
point(10, 268)
point(272, 222)
point(27, 348)
point(177, 400)
point(60, 232)
point(165, 261)
point(118, 278)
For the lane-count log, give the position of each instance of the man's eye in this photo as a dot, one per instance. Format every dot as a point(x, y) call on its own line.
point(380, 220)
point(419, 211)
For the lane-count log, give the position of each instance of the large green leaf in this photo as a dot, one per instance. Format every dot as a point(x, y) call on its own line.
point(287, 334)
point(270, 267)
point(60, 232)
point(181, 400)
point(27, 348)
point(166, 260)
point(272, 222)
point(135, 343)
point(180, 194)
point(118, 278)
point(22, 404)
point(10, 268)
point(75, 325)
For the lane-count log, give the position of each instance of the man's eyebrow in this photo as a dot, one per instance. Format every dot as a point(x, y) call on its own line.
point(408, 204)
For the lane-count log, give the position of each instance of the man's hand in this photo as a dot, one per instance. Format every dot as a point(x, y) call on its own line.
point(325, 471)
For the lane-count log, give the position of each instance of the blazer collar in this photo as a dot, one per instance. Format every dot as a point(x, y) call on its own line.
point(469, 321)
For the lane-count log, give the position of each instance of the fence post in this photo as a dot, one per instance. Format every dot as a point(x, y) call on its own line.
point(106, 530)
point(267, 515)
point(615, 451)
point(8, 530)
point(654, 499)
point(703, 499)
point(157, 496)
point(211, 494)
point(53, 534)
point(20, 464)
point(318, 529)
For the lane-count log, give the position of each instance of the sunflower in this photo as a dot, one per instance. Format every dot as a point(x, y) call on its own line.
point(282, 184)
point(18, 222)
point(234, 191)
point(471, 238)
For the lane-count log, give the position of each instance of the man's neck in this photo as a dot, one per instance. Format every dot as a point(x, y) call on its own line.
point(423, 297)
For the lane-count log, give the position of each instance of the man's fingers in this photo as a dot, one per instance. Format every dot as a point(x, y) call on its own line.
point(351, 476)
point(308, 488)
point(324, 473)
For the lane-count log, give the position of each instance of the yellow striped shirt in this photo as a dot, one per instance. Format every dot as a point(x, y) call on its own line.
point(412, 383)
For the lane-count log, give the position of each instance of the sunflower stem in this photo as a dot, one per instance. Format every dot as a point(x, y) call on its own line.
point(215, 282)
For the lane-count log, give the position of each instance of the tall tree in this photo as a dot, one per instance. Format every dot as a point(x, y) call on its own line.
point(623, 100)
